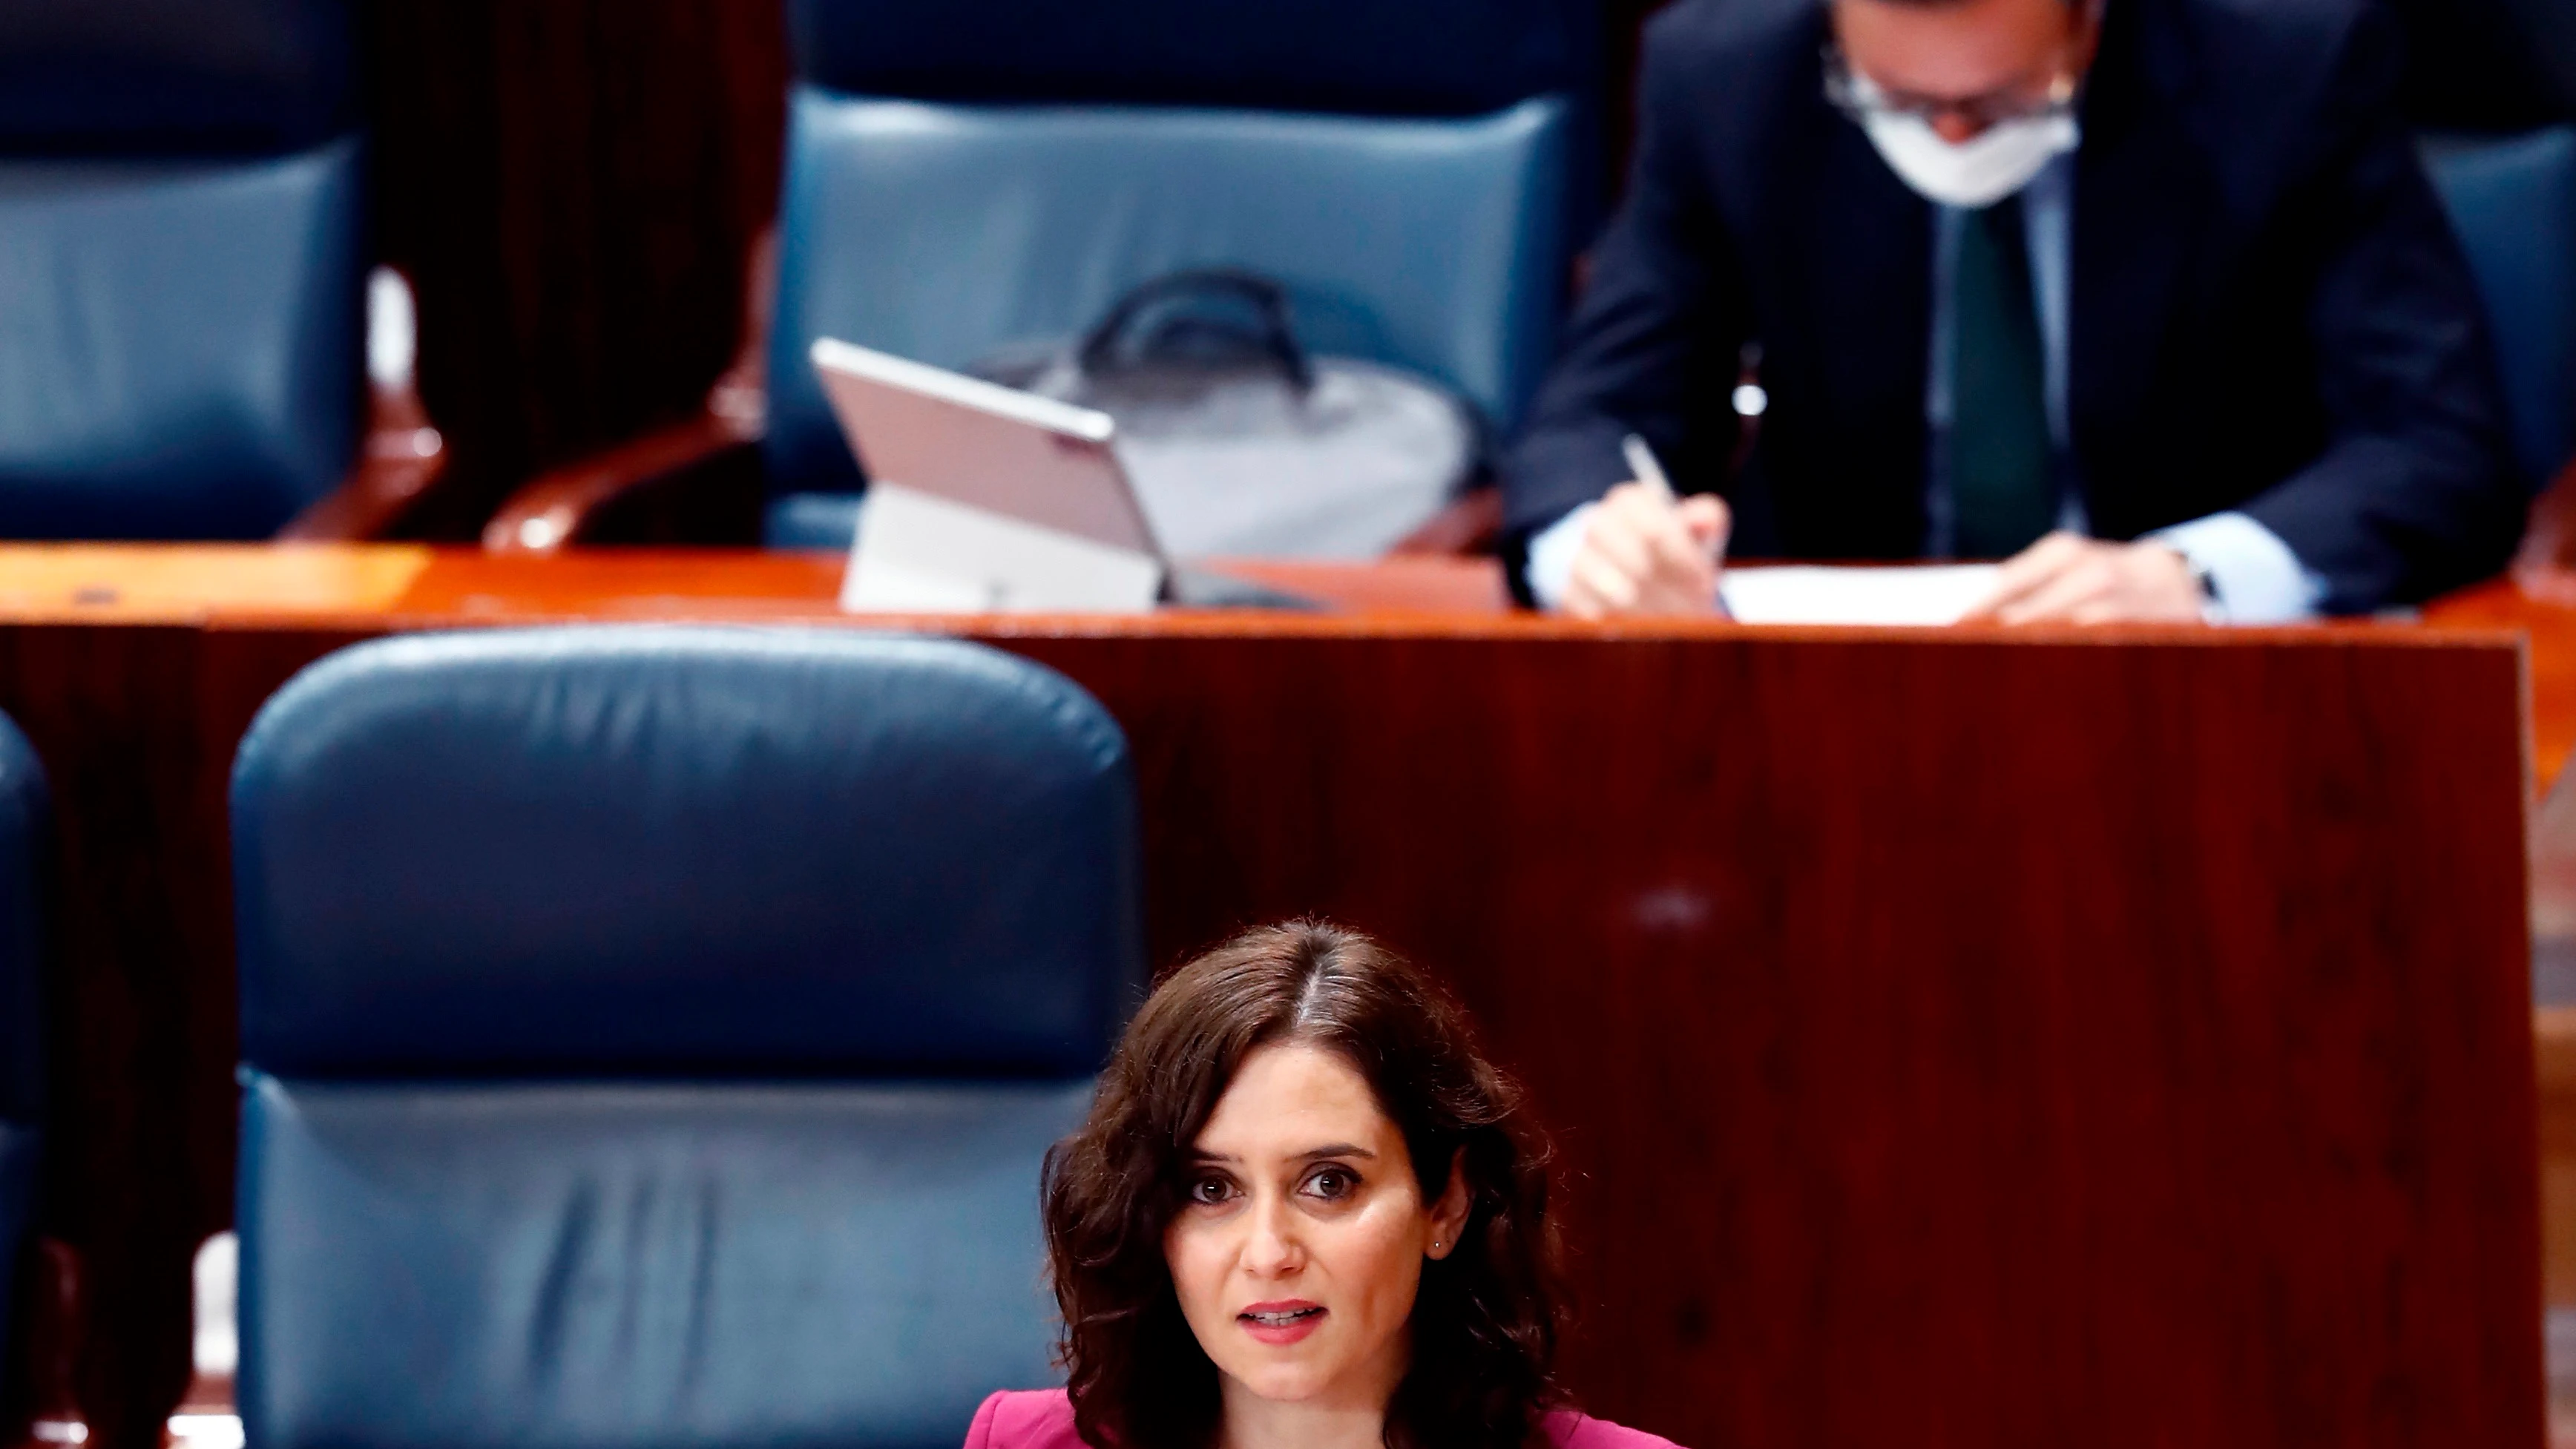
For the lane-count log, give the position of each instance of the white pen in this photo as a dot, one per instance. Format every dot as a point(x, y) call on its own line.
point(1649, 470)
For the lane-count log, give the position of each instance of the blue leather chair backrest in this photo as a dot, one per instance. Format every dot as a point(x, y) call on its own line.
point(179, 345)
point(681, 852)
point(25, 829)
point(940, 231)
point(1367, 57)
point(653, 1035)
point(174, 77)
point(2513, 202)
point(180, 265)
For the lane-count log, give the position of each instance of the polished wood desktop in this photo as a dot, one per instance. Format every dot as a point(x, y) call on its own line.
point(1953, 1037)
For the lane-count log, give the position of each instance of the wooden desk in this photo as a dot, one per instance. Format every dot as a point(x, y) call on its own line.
point(1954, 1039)
point(2541, 605)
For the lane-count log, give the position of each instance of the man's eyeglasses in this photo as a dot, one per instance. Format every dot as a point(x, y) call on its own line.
point(1859, 97)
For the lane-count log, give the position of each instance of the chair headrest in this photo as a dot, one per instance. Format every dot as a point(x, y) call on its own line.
point(2513, 201)
point(174, 77)
point(659, 852)
point(180, 356)
point(1422, 57)
point(1431, 244)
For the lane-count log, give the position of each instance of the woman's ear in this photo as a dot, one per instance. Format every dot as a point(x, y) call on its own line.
point(1449, 1210)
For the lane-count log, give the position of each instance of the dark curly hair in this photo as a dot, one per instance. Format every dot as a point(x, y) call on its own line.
point(1486, 1324)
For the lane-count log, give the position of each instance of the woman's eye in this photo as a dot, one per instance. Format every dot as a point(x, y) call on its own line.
point(1208, 1191)
point(1331, 1182)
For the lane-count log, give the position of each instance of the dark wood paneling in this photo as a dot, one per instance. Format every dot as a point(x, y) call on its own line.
point(136, 727)
point(1951, 1045)
point(141, 1151)
point(574, 186)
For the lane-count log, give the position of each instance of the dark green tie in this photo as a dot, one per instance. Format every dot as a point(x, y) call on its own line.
point(1999, 446)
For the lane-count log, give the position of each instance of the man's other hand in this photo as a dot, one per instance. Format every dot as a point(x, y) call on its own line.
point(2066, 578)
point(1644, 555)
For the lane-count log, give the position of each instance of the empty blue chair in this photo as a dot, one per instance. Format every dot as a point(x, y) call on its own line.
point(941, 231)
point(24, 827)
point(964, 176)
point(181, 258)
point(958, 181)
point(2513, 202)
point(651, 1036)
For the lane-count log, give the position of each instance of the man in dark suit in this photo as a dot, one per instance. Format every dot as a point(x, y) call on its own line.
point(2151, 297)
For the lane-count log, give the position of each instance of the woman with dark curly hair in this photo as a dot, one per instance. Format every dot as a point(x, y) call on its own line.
point(1305, 1212)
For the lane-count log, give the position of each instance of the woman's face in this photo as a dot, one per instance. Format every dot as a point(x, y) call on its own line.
point(1300, 1242)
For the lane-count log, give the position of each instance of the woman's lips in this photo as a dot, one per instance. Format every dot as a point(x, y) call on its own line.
point(1281, 1324)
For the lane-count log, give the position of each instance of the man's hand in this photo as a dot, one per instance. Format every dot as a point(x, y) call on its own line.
point(2066, 578)
point(1644, 555)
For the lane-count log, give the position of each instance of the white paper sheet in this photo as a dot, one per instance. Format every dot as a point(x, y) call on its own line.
point(1926, 596)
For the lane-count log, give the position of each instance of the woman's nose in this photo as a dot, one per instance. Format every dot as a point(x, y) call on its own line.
point(1273, 1248)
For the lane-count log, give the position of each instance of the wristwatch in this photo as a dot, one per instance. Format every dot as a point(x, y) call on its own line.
point(2213, 607)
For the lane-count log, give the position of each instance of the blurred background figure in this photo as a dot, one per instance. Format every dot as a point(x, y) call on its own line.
point(2155, 291)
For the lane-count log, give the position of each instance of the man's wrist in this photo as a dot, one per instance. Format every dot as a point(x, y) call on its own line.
point(2204, 584)
point(2253, 576)
point(1552, 551)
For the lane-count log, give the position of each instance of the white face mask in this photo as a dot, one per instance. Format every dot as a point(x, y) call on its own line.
point(1999, 161)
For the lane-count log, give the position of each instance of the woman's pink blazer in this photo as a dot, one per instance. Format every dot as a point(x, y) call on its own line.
point(1044, 1420)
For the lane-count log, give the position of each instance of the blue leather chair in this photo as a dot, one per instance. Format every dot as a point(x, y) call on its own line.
point(24, 827)
point(1404, 166)
point(2513, 202)
point(651, 1036)
point(180, 247)
point(937, 232)
point(967, 174)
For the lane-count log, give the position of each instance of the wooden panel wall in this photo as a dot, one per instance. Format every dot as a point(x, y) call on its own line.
point(135, 1173)
point(1949, 1045)
point(574, 186)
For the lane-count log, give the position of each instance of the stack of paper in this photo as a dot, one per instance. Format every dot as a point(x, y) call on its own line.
point(1928, 596)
